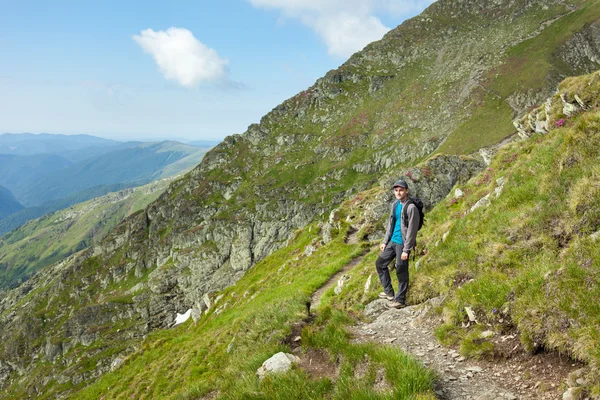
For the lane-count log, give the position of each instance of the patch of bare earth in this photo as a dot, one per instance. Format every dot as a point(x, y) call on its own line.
point(318, 364)
point(513, 374)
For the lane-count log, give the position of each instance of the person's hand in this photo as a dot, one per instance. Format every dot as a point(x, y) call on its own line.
point(404, 256)
point(382, 247)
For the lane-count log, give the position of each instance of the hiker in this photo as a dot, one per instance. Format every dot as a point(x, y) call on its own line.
point(400, 239)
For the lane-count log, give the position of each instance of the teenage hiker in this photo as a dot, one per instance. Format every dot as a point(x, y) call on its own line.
point(400, 239)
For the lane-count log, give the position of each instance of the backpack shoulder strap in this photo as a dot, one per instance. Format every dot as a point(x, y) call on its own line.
point(405, 210)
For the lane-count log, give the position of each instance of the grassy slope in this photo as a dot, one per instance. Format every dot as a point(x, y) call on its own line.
point(55, 236)
point(527, 261)
point(378, 124)
point(253, 318)
point(530, 64)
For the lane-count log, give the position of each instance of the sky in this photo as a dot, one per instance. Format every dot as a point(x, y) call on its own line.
point(180, 70)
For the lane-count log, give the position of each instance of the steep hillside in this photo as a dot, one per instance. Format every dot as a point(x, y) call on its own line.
point(55, 236)
point(8, 204)
point(520, 247)
point(505, 272)
point(449, 80)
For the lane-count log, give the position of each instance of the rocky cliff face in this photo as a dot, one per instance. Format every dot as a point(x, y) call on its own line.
point(428, 85)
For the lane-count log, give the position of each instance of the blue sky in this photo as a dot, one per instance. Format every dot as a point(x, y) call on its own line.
point(181, 70)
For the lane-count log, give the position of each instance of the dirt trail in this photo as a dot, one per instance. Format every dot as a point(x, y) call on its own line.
point(315, 299)
point(523, 376)
point(515, 374)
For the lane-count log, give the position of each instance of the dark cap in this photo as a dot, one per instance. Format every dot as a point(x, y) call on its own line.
point(400, 183)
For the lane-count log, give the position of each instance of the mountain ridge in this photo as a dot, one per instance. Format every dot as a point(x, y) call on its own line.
point(360, 125)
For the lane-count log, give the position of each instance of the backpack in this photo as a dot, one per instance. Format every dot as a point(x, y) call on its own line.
point(419, 204)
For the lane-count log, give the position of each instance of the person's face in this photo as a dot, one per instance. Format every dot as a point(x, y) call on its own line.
point(400, 192)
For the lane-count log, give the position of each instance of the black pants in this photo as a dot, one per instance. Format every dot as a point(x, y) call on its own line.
point(393, 250)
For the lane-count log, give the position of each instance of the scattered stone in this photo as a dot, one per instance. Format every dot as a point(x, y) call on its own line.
point(116, 364)
point(230, 345)
point(375, 308)
point(297, 339)
point(368, 284)
point(474, 369)
point(471, 314)
point(445, 236)
point(207, 301)
point(573, 393)
point(487, 334)
point(458, 193)
point(573, 377)
point(280, 362)
point(196, 313)
point(484, 201)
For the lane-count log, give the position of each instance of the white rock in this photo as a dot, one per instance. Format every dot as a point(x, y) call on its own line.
point(368, 283)
point(181, 318)
point(486, 155)
point(573, 393)
point(207, 301)
point(471, 314)
point(498, 191)
point(487, 334)
point(458, 193)
point(280, 362)
point(116, 364)
point(445, 236)
point(484, 201)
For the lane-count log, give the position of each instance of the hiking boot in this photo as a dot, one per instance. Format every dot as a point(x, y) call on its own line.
point(395, 304)
point(384, 295)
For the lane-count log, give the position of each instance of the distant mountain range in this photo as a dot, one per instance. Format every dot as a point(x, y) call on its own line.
point(26, 144)
point(47, 172)
point(8, 203)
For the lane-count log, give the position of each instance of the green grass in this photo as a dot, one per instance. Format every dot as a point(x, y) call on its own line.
point(54, 237)
point(525, 68)
point(527, 261)
point(192, 360)
point(388, 130)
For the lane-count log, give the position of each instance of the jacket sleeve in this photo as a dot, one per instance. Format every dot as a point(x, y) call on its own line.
point(390, 227)
point(410, 239)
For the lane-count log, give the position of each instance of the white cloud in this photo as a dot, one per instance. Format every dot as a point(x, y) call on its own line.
point(345, 33)
point(181, 57)
point(345, 26)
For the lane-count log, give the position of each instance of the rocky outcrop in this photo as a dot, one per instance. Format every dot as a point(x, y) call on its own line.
point(582, 50)
point(556, 110)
